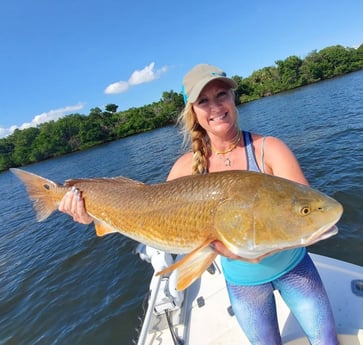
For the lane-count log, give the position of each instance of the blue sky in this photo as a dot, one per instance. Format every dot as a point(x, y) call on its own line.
point(61, 57)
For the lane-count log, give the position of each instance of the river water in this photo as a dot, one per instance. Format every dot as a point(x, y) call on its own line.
point(61, 284)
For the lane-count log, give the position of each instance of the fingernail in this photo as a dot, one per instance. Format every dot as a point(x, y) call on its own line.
point(77, 193)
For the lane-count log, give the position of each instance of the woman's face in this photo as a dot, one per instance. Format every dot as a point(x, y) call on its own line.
point(215, 108)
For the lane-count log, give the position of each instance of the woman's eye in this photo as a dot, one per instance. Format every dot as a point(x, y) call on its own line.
point(222, 94)
point(219, 96)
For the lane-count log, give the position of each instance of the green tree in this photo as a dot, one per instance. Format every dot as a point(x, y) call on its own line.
point(337, 61)
point(22, 141)
point(289, 72)
point(112, 108)
point(6, 153)
point(357, 59)
point(312, 68)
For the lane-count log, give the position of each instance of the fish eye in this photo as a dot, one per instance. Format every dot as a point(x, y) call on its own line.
point(305, 210)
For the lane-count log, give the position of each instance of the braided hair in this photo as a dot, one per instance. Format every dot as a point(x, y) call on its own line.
point(194, 134)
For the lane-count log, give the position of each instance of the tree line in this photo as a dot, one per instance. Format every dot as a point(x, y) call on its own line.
point(78, 132)
point(295, 72)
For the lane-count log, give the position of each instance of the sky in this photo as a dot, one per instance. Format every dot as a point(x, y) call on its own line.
point(64, 57)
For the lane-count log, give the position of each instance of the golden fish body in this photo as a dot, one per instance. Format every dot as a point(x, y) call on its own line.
point(253, 214)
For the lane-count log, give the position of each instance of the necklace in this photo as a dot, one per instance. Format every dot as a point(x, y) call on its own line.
point(221, 154)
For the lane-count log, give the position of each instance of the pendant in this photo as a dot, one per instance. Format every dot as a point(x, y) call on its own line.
point(227, 162)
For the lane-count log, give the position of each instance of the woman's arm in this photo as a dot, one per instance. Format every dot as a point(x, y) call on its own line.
point(182, 167)
point(280, 161)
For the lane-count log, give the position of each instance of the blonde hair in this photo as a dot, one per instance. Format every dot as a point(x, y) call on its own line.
point(196, 138)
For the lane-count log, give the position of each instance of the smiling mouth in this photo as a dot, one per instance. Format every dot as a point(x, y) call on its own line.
point(220, 117)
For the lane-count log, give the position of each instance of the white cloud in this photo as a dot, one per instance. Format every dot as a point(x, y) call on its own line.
point(51, 115)
point(4, 132)
point(137, 77)
point(118, 87)
point(144, 76)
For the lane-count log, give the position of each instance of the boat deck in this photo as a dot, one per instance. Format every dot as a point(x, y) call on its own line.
point(205, 317)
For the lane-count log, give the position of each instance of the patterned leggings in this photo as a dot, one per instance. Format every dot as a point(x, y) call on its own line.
point(303, 292)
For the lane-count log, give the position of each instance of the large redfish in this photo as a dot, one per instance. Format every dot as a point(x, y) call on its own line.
point(253, 214)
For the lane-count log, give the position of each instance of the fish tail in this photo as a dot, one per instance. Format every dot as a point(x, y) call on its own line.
point(44, 193)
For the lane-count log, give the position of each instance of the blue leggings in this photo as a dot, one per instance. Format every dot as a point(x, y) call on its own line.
point(303, 292)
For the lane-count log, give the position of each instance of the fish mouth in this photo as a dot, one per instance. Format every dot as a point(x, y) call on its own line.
point(256, 255)
point(321, 234)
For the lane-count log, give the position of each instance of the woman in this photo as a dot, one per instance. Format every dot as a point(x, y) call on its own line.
point(210, 124)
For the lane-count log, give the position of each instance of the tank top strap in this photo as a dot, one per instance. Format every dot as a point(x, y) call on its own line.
point(250, 154)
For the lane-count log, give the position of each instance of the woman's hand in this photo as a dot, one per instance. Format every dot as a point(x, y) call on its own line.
point(221, 249)
point(73, 204)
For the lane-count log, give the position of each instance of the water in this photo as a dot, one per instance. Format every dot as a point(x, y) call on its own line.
point(60, 284)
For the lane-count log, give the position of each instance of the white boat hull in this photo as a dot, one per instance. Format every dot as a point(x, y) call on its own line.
point(204, 319)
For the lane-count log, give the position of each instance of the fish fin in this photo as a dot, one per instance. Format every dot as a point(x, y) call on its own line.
point(122, 179)
point(192, 266)
point(42, 192)
point(103, 228)
point(118, 179)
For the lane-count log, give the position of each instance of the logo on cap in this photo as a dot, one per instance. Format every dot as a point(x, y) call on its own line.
point(222, 74)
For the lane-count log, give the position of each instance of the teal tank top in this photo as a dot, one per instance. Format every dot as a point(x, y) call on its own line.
point(270, 268)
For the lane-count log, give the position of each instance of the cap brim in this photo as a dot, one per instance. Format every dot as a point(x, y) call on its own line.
point(197, 89)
